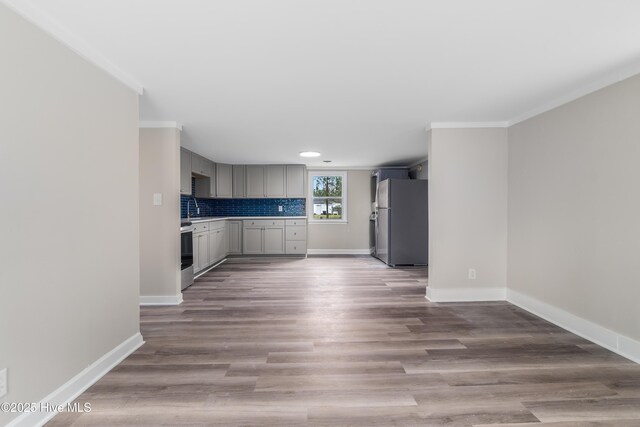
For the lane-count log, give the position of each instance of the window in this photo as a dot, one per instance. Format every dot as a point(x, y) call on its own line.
point(328, 201)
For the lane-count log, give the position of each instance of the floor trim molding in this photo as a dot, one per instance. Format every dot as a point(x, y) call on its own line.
point(365, 251)
point(73, 388)
point(620, 344)
point(207, 269)
point(161, 299)
point(466, 294)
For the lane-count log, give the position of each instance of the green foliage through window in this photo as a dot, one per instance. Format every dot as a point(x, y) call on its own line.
point(327, 197)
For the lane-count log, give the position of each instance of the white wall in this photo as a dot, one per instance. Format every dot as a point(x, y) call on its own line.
point(574, 208)
point(160, 225)
point(467, 213)
point(354, 235)
point(69, 276)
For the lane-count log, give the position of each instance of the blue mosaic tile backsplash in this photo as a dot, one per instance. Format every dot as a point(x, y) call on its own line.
point(243, 207)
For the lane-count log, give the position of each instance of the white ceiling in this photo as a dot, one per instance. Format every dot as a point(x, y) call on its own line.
point(256, 81)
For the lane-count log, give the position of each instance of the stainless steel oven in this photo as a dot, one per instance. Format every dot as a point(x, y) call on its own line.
point(186, 254)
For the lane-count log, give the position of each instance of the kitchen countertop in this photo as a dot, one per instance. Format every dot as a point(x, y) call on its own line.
point(237, 218)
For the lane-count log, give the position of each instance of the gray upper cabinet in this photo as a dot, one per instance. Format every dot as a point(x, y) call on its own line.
point(224, 181)
point(239, 190)
point(254, 181)
point(206, 187)
point(185, 171)
point(239, 181)
point(296, 181)
point(275, 181)
point(200, 165)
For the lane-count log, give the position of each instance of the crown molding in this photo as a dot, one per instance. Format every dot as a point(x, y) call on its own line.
point(601, 83)
point(43, 21)
point(466, 125)
point(155, 125)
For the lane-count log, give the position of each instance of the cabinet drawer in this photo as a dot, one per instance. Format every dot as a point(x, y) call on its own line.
point(294, 247)
point(296, 232)
point(263, 223)
point(200, 227)
point(216, 225)
point(297, 222)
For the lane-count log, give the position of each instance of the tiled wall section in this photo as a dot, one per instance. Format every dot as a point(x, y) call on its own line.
point(243, 207)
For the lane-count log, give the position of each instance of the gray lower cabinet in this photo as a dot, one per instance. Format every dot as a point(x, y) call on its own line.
point(263, 237)
point(224, 180)
point(217, 243)
point(239, 190)
point(296, 247)
point(274, 240)
point(296, 237)
point(252, 240)
point(234, 237)
point(185, 171)
point(296, 181)
point(254, 181)
point(275, 181)
point(200, 251)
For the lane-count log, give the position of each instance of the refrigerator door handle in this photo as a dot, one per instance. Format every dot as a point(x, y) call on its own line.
point(375, 236)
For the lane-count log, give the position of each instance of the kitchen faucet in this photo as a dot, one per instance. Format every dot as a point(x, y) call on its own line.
point(196, 203)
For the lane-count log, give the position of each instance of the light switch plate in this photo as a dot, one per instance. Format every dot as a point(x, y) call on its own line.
point(157, 199)
point(3, 382)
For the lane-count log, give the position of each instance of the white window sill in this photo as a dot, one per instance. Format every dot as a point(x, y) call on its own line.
point(328, 222)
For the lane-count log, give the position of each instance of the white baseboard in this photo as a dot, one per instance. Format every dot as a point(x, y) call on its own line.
point(73, 388)
point(206, 270)
point(466, 294)
point(620, 344)
point(365, 251)
point(161, 299)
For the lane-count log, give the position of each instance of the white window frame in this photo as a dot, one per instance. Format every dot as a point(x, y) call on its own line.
point(326, 172)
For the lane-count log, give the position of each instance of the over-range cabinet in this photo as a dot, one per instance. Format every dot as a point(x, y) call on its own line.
point(401, 223)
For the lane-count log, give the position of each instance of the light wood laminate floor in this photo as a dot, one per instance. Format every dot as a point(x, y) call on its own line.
point(348, 341)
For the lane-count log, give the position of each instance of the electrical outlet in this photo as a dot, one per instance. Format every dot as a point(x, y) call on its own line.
point(472, 274)
point(3, 382)
point(279, 208)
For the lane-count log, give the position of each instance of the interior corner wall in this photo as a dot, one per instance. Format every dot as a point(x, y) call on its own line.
point(574, 208)
point(69, 281)
point(419, 171)
point(353, 235)
point(160, 224)
point(467, 213)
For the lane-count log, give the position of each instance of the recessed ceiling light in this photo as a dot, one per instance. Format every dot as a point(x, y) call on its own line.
point(309, 154)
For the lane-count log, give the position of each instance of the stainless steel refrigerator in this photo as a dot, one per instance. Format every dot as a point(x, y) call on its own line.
point(401, 223)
